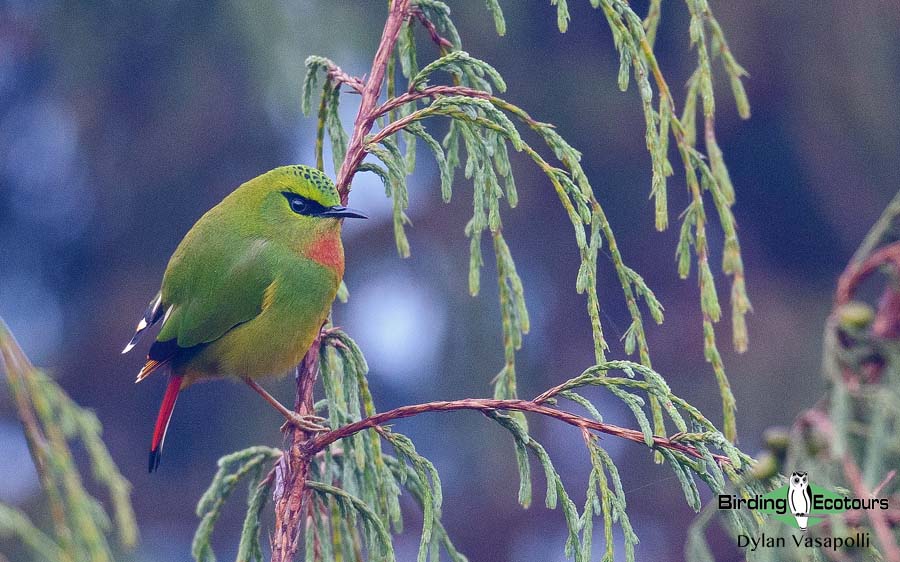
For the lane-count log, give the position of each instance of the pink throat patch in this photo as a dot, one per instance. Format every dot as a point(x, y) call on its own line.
point(328, 252)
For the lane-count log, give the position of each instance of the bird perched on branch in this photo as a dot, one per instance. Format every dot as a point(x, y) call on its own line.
point(248, 288)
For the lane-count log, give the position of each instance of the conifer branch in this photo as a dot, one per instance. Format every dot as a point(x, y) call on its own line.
point(52, 421)
point(846, 439)
point(290, 488)
point(884, 325)
point(879, 519)
point(485, 405)
point(857, 272)
point(338, 76)
point(429, 92)
point(293, 468)
point(485, 126)
point(399, 11)
point(442, 42)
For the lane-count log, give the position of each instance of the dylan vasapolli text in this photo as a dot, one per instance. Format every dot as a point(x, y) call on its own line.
point(859, 540)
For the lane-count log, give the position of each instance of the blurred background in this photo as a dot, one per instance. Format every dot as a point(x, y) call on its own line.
point(121, 123)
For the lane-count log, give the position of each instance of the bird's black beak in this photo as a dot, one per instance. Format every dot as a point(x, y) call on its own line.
point(341, 212)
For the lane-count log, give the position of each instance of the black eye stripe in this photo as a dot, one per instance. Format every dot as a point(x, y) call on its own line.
point(303, 206)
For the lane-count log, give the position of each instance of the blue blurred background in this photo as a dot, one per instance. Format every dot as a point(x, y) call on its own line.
point(121, 123)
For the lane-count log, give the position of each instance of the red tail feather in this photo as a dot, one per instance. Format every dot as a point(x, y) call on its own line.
point(162, 420)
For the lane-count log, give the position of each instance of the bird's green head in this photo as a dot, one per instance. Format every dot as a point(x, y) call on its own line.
point(304, 191)
point(297, 205)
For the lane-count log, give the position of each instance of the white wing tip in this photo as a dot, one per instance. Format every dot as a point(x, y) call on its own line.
point(128, 348)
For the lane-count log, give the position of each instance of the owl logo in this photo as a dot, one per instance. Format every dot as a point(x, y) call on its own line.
point(800, 498)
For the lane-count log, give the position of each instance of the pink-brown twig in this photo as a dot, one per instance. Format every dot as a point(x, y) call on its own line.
point(878, 518)
point(483, 405)
point(371, 90)
point(442, 43)
point(290, 486)
point(856, 273)
point(429, 92)
point(293, 467)
point(337, 76)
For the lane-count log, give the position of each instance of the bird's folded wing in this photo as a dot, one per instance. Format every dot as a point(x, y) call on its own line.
point(214, 283)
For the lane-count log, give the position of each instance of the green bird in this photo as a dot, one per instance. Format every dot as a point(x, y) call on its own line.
point(248, 288)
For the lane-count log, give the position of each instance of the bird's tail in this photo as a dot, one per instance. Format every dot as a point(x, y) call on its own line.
point(162, 420)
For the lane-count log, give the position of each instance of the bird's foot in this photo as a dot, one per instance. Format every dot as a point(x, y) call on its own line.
point(310, 423)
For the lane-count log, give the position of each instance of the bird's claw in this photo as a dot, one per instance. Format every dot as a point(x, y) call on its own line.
point(330, 330)
point(310, 423)
point(330, 335)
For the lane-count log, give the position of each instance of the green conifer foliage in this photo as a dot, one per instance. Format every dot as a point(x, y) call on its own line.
point(356, 472)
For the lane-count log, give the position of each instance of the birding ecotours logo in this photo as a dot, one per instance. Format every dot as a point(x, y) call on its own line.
point(800, 498)
point(800, 503)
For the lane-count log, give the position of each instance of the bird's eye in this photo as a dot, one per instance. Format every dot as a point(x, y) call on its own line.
point(302, 205)
point(299, 205)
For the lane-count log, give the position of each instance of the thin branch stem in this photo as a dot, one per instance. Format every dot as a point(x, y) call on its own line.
point(884, 482)
point(436, 91)
point(365, 118)
point(484, 405)
point(878, 232)
point(336, 76)
point(860, 269)
point(443, 43)
point(429, 92)
point(876, 516)
point(290, 489)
